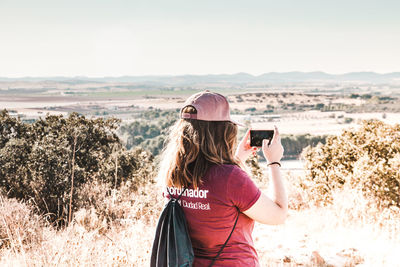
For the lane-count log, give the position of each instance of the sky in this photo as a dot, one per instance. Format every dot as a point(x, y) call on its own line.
point(175, 37)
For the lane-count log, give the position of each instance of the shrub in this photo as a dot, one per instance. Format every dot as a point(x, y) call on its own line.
point(294, 144)
point(354, 96)
point(38, 161)
point(348, 120)
point(149, 131)
point(319, 106)
point(250, 109)
point(367, 159)
point(366, 96)
point(135, 165)
point(254, 168)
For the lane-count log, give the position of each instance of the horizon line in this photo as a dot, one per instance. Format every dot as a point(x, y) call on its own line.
point(189, 74)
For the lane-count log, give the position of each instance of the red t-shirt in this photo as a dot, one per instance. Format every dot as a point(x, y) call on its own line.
point(211, 212)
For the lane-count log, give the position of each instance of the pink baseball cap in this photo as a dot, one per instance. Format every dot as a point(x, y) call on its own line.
point(210, 107)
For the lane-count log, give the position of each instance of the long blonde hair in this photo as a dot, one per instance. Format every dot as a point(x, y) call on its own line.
point(193, 146)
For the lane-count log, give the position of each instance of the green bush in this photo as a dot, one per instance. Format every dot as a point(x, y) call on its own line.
point(134, 166)
point(149, 130)
point(367, 159)
point(250, 110)
point(39, 161)
point(294, 144)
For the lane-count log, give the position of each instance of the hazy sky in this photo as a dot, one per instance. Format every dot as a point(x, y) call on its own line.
point(132, 37)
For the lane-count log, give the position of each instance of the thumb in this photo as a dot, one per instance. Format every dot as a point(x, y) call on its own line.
point(276, 136)
point(264, 144)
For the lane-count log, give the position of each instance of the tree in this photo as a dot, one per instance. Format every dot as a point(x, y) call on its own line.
point(45, 161)
point(368, 158)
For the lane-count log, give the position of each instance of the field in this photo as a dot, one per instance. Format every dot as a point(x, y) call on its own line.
point(351, 231)
point(314, 108)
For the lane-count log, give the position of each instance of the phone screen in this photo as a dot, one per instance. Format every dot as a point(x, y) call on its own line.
point(257, 136)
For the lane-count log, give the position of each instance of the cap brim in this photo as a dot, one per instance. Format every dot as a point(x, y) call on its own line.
point(238, 124)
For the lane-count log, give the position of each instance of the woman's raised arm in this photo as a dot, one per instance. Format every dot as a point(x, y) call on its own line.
point(271, 208)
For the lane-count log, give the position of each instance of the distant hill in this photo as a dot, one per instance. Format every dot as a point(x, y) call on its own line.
point(238, 78)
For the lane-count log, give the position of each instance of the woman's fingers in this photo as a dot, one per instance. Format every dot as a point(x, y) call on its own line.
point(276, 138)
point(247, 135)
point(264, 144)
point(245, 141)
point(244, 149)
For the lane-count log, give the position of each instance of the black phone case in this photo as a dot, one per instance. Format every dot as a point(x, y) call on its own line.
point(257, 136)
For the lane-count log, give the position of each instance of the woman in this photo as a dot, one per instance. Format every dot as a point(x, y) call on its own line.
point(201, 156)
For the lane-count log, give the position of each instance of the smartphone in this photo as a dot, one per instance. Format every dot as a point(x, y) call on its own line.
point(257, 137)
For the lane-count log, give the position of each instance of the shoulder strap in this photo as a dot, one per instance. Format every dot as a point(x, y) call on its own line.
point(184, 189)
point(226, 242)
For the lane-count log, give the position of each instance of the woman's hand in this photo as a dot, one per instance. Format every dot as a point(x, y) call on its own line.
point(274, 151)
point(244, 149)
point(271, 209)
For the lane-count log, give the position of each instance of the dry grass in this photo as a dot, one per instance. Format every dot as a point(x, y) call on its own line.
point(75, 246)
point(350, 232)
point(93, 239)
point(20, 228)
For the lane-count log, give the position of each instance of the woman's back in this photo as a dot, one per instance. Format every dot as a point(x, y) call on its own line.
point(211, 211)
point(202, 156)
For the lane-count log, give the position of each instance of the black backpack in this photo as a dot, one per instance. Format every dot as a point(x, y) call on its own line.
point(172, 246)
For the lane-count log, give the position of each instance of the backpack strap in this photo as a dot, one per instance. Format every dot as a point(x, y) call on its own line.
point(184, 189)
point(226, 242)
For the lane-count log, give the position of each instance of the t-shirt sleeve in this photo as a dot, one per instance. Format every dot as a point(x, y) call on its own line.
point(242, 191)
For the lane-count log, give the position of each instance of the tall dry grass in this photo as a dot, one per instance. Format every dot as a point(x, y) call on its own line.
point(20, 227)
point(118, 230)
point(352, 231)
